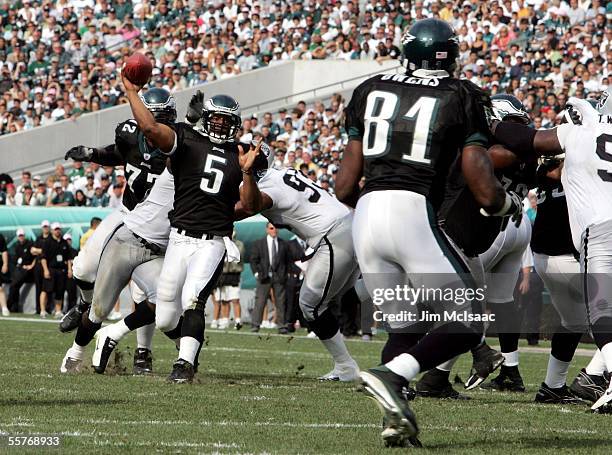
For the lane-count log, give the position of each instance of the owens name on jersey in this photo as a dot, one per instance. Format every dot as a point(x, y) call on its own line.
point(207, 179)
point(413, 129)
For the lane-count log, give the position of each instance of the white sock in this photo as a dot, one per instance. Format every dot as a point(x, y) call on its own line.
point(189, 349)
point(117, 330)
point(512, 358)
point(556, 373)
point(77, 351)
point(405, 365)
point(606, 353)
point(448, 365)
point(337, 348)
point(144, 336)
point(596, 366)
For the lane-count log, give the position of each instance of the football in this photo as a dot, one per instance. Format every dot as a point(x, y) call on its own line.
point(138, 69)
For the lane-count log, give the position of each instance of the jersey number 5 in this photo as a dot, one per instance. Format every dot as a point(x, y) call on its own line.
point(212, 183)
point(603, 141)
point(380, 113)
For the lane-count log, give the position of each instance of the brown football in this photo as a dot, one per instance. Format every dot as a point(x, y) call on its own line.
point(138, 69)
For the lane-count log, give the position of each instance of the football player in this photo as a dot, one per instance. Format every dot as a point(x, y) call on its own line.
point(207, 176)
point(405, 131)
point(287, 198)
point(587, 181)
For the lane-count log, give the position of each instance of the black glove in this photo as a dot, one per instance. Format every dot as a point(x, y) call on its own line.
point(79, 153)
point(196, 106)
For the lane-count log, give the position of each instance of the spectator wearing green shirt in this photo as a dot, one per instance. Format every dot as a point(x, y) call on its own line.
point(39, 65)
point(60, 198)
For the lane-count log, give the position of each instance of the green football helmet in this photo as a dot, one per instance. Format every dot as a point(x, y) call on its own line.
point(430, 44)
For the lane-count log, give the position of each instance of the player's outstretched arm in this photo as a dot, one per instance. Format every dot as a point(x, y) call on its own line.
point(526, 141)
point(349, 175)
point(160, 135)
point(105, 156)
point(252, 200)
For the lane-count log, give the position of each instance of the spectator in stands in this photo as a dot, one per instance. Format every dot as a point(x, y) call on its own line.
point(80, 200)
point(100, 198)
point(40, 196)
point(93, 224)
point(56, 261)
point(23, 268)
point(60, 198)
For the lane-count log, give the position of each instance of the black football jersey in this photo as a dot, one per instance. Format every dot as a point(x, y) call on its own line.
point(207, 178)
point(551, 234)
point(143, 163)
point(413, 129)
point(518, 178)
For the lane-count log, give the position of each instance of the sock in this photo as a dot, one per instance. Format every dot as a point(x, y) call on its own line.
point(556, 373)
point(117, 330)
point(337, 348)
point(404, 365)
point(86, 331)
point(606, 352)
point(596, 366)
point(512, 358)
point(564, 344)
point(144, 336)
point(447, 366)
point(399, 342)
point(508, 342)
point(141, 316)
point(189, 349)
point(76, 351)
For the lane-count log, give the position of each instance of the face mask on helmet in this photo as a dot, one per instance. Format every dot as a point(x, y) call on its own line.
point(221, 119)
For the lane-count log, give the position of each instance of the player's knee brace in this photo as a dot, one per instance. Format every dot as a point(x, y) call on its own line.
point(325, 326)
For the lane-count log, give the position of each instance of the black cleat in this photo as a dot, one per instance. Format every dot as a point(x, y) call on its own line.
point(238, 325)
point(589, 386)
point(393, 439)
point(561, 395)
point(485, 361)
point(72, 319)
point(508, 380)
point(385, 387)
point(143, 361)
point(435, 384)
point(105, 346)
point(182, 372)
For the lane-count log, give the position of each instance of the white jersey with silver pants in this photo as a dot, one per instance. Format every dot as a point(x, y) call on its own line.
point(596, 268)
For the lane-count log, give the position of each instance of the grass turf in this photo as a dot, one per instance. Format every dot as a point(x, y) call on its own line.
point(258, 394)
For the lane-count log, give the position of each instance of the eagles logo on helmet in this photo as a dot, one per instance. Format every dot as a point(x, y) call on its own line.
point(161, 104)
point(509, 108)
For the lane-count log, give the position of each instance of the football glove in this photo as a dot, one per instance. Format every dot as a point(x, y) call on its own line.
point(196, 106)
point(513, 208)
point(79, 153)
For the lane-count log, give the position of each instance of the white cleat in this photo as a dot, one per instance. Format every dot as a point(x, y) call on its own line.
point(72, 362)
point(347, 372)
point(312, 335)
point(6, 312)
point(604, 399)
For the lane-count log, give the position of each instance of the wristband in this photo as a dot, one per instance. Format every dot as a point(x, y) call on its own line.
point(249, 172)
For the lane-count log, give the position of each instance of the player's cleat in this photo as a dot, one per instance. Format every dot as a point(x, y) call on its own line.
point(105, 346)
point(435, 384)
point(44, 314)
point(237, 325)
point(143, 361)
point(561, 395)
point(347, 372)
point(485, 361)
point(182, 372)
point(393, 438)
point(588, 386)
point(385, 387)
point(604, 399)
point(71, 363)
point(311, 335)
point(6, 312)
point(71, 320)
point(508, 380)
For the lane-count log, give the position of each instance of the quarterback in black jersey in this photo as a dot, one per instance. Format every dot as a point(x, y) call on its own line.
point(143, 163)
point(405, 131)
point(207, 176)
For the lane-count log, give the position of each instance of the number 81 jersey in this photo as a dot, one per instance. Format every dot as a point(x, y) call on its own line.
point(307, 210)
point(412, 129)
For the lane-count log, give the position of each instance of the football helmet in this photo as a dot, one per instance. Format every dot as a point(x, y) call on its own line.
point(509, 108)
point(221, 118)
point(264, 161)
point(604, 103)
point(430, 44)
point(161, 104)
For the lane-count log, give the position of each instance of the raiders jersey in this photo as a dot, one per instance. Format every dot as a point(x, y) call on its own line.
point(143, 163)
point(207, 179)
point(308, 211)
point(413, 128)
point(149, 219)
point(586, 175)
point(551, 234)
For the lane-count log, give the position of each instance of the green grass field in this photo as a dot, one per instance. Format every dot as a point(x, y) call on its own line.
point(258, 394)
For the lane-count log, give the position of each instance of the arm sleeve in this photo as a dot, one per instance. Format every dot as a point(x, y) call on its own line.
point(353, 116)
point(108, 156)
point(477, 117)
